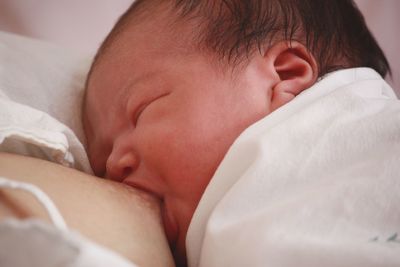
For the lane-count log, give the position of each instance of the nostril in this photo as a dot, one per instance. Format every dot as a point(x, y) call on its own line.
point(126, 172)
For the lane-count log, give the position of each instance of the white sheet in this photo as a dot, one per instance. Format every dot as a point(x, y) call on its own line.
point(31, 132)
point(316, 183)
point(41, 89)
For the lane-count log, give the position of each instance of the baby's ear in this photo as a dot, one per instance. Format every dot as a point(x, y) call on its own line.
point(295, 70)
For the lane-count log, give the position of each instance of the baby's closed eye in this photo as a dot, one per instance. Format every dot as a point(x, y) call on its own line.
point(137, 113)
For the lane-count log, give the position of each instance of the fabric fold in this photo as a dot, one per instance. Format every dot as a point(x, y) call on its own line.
point(315, 183)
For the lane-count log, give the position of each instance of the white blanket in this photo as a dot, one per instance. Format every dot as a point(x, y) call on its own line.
point(41, 89)
point(27, 131)
point(316, 183)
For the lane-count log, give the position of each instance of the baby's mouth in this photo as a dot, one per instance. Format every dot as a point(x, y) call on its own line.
point(168, 220)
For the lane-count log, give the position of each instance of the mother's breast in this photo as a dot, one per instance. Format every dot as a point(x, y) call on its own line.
point(111, 214)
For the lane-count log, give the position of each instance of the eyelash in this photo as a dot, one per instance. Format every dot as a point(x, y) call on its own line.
point(139, 112)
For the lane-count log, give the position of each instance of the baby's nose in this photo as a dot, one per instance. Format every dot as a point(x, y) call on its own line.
point(120, 166)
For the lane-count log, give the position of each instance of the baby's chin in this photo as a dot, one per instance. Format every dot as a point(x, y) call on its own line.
point(180, 255)
point(176, 239)
point(170, 227)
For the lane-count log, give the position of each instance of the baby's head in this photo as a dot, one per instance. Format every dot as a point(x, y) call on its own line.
point(176, 82)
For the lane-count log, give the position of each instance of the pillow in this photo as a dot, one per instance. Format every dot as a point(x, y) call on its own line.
point(41, 90)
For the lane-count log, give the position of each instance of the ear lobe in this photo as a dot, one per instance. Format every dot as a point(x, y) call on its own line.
point(296, 68)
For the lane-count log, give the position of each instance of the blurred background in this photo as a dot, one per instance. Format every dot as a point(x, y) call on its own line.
point(81, 25)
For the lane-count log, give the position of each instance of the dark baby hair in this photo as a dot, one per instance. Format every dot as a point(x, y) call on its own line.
point(334, 31)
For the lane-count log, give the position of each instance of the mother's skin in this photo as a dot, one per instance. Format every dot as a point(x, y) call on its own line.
point(109, 213)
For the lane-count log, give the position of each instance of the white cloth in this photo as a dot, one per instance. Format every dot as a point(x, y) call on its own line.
point(41, 89)
point(31, 132)
point(34, 243)
point(315, 183)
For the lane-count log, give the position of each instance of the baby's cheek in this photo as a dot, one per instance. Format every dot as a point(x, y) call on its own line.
point(98, 163)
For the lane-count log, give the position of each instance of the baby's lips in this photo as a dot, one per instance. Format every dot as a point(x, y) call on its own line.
point(145, 194)
point(169, 223)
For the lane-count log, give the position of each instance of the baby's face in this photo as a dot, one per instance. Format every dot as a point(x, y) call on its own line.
point(161, 120)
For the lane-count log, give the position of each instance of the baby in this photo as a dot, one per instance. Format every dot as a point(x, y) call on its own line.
point(176, 82)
